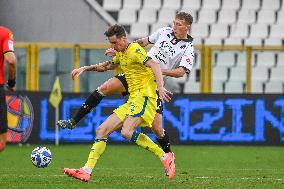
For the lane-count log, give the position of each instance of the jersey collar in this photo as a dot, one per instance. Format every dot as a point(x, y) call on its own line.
point(127, 47)
point(188, 39)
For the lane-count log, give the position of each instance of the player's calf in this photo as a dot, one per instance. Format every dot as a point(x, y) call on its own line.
point(161, 135)
point(164, 142)
point(92, 101)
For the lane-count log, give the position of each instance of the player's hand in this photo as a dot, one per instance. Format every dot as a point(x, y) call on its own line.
point(11, 85)
point(164, 94)
point(11, 89)
point(110, 52)
point(77, 72)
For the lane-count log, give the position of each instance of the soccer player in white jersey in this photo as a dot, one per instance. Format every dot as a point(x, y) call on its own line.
point(173, 49)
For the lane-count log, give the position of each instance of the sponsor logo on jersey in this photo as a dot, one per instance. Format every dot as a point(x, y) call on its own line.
point(132, 107)
point(188, 60)
point(174, 41)
point(11, 45)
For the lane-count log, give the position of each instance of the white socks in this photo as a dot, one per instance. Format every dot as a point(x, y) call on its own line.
point(87, 170)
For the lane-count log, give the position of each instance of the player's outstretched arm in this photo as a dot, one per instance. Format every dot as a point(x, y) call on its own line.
point(143, 42)
point(164, 94)
point(177, 72)
point(101, 67)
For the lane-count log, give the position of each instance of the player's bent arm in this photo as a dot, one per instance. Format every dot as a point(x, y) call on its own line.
point(111, 66)
point(177, 72)
point(157, 72)
point(143, 42)
point(101, 67)
point(163, 93)
point(10, 58)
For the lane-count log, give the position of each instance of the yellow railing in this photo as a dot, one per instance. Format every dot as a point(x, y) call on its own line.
point(32, 61)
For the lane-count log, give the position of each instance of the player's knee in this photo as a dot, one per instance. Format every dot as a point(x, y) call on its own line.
point(154, 128)
point(101, 132)
point(103, 89)
point(126, 134)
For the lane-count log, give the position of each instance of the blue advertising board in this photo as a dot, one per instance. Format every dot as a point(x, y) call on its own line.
point(189, 119)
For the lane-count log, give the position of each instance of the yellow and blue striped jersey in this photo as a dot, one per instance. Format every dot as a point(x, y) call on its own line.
point(140, 78)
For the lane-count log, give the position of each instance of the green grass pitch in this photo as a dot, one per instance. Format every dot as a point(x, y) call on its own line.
point(128, 166)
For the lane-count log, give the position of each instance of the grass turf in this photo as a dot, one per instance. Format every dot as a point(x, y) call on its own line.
point(127, 166)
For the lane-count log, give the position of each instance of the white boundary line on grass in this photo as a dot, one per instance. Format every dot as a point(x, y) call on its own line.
point(242, 178)
point(197, 177)
point(33, 175)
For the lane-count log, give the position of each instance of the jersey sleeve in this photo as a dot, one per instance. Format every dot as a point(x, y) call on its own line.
point(187, 59)
point(153, 38)
point(140, 55)
point(8, 42)
point(115, 59)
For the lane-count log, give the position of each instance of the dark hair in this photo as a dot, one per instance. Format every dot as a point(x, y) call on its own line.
point(185, 16)
point(116, 30)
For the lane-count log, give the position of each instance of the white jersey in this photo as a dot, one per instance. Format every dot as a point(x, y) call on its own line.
point(171, 52)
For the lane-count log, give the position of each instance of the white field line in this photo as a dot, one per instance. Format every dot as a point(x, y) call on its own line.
point(33, 175)
point(242, 178)
point(147, 176)
point(192, 170)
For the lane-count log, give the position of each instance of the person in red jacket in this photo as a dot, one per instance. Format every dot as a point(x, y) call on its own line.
point(7, 56)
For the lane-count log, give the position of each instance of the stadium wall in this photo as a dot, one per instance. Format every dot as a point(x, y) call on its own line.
point(190, 119)
point(52, 21)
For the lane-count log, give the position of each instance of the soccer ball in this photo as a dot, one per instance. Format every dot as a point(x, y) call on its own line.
point(41, 157)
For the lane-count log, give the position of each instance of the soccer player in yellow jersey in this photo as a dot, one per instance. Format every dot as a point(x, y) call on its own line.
point(144, 77)
point(172, 49)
